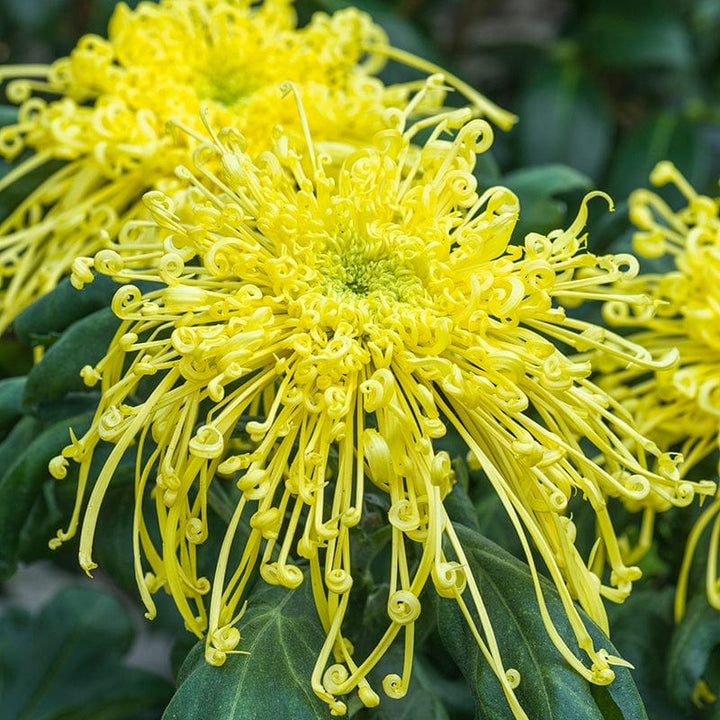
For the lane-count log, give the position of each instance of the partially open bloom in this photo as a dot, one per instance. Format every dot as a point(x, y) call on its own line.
point(680, 407)
point(167, 61)
point(314, 333)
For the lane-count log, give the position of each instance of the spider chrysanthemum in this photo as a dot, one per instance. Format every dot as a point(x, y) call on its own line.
point(680, 407)
point(312, 335)
point(168, 61)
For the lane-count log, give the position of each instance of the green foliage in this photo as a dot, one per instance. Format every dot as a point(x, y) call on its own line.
point(697, 635)
point(8, 114)
point(45, 320)
point(641, 629)
point(11, 394)
point(58, 373)
point(24, 476)
point(37, 411)
point(560, 110)
point(282, 636)
point(430, 696)
point(538, 188)
point(49, 28)
point(549, 688)
point(614, 88)
point(618, 40)
point(662, 135)
point(66, 662)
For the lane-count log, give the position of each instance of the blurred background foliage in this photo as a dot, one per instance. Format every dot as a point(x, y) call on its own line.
point(603, 89)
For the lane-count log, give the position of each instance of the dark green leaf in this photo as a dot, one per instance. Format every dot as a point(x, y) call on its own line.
point(422, 701)
point(52, 508)
point(11, 392)
point(15, 357)
point(66, 662)
point(442, 673)
point(641, 628)
point(85, 342)
point(610, 232)
point(493, 522)
point(181, 648)
point(487, 170)
point(607, 706)
point(72, 404)
point(547, 180)
point(25, 474)
point(34, 14)
point(564, 120)
point(651, 35)
point(47, 317)
point(112, 549)
point(705, 21)
point(537, 188)
point(460, 508)
point(663, 136)
point(13, 445)
point(8, 114)
point(549, 689)
point(697, 635)
point(283, 635)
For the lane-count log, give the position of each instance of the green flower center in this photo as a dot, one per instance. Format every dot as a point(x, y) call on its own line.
point(225, 84)
point(353, 273)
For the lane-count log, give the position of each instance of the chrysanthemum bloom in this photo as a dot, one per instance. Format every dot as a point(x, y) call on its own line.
point(313, 334)
point(169, 61)
point(678, 408)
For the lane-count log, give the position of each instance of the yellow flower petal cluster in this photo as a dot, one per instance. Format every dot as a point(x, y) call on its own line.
point(679, 408)
point(317, 331)
point(169, 61)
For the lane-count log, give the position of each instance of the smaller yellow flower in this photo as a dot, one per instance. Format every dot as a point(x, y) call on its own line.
point(170, 61)
point(679, 407)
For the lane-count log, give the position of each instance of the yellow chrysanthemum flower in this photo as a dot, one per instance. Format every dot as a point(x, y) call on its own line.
point(169, 61)
point(314, 333)
point(679, 408)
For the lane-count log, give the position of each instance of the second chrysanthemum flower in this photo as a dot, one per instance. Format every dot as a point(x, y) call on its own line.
point(113, 97)
point(679, 407)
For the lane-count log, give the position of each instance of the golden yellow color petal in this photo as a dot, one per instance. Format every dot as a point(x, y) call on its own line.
point(679, 408)
point(316, 332)
point(230, 60)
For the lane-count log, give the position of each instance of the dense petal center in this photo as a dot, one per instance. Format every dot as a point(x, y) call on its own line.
point(352, 271)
